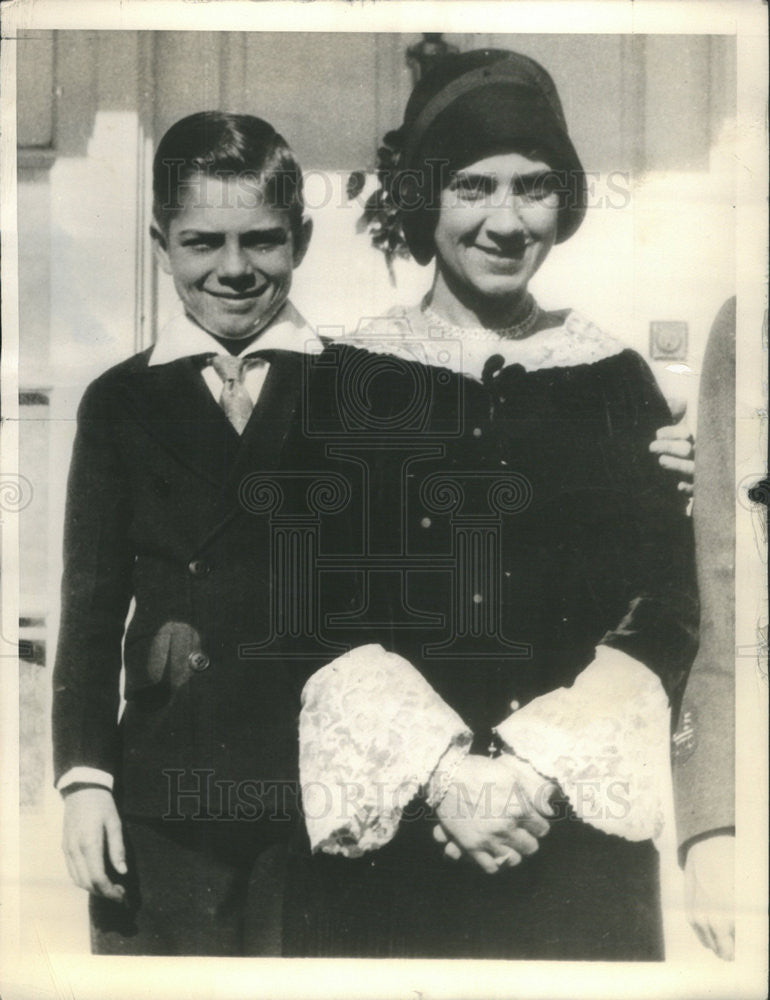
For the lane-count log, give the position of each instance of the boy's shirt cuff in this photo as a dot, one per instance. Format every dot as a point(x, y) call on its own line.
point(85, 776)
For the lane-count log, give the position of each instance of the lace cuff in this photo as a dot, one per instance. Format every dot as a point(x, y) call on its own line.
point(604, 740)
point(373, 734)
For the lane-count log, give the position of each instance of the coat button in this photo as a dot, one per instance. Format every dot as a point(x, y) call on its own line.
point(198, 567)
point(199, 661)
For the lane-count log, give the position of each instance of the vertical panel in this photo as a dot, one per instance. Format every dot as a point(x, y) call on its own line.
point(116, 68)
point(76, 95)
point(232, 64)
point(146, 284)
point(722, 60)
point(632, 91)
point(187, 74)
point(34, 213)
point(677, 122)
point(33, 519)
point(34, 74)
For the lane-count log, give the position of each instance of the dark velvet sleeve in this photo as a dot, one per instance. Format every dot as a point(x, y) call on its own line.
point(659, 626)
point(96, 593)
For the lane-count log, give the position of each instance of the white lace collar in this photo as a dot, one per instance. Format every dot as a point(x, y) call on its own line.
point(407, 334)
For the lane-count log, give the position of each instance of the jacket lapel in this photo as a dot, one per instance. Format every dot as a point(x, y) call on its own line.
point(272, 418)
point(173, 403)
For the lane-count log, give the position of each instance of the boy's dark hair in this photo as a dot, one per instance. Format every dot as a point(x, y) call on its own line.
point(217, 144)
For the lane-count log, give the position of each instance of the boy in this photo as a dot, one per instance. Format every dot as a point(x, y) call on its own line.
point(153, 515)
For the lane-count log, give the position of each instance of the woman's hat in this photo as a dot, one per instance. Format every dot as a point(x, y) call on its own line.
point(470, 106)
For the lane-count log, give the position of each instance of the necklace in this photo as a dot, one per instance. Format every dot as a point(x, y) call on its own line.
point(516, 331)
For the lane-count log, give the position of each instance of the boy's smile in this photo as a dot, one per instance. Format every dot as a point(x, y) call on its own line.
point(231, 255)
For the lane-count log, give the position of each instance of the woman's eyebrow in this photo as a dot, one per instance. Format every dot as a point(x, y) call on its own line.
point(464, 179)
point(467, 175)
point(533, 175)
point(476, 177)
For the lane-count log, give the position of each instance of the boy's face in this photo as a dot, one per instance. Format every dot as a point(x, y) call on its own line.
point(231, 255)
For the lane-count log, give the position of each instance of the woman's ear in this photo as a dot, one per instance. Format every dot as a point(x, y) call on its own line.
point(160, 245)
point(303, 242)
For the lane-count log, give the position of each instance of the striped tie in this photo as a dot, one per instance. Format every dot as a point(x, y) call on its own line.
point(235, 400)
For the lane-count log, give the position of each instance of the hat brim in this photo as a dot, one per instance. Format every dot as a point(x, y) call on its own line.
point(495, 118)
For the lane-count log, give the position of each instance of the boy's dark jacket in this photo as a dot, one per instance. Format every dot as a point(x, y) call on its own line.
point(168, 506)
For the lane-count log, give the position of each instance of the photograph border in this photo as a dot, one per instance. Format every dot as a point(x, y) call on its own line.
point(79, 977)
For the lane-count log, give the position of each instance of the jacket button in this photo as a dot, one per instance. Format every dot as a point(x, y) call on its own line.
point(198, 567)
point(199, 661)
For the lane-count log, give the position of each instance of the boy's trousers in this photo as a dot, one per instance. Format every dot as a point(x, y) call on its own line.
point(195, 888)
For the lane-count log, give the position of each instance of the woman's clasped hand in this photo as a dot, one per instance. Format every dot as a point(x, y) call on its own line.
point(494, 812)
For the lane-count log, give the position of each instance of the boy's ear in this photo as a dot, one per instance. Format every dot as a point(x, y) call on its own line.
point(301, 245)
point(160, 246)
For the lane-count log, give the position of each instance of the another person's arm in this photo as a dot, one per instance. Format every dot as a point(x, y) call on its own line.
point(704, 742)
point(674, 445)
point(709, 887)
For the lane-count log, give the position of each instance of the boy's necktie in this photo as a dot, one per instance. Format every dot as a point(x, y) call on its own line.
point(235, 400)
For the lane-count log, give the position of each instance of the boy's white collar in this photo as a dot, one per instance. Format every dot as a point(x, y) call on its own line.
point(182, 338)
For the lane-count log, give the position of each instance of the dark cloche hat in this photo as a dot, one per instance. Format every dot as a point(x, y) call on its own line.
point(470, 106)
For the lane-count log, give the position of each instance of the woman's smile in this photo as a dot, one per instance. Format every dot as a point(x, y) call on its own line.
point(508, 258)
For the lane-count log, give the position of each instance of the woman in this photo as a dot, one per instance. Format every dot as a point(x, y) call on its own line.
point(532, 612)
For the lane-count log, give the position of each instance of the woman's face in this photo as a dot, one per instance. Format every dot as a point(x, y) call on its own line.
point(497, 223)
